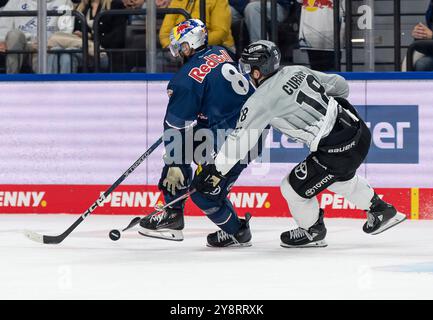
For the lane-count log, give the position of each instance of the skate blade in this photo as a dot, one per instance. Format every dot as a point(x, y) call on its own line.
point(165, 234)
point(398, 218)
point(238, 245)
point(315, 244)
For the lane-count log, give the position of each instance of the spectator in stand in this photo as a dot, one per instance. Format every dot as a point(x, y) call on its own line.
point(19, 33)
point(250, 11)
point(111, 34)
point(424, 60)
point(137, 4)
point(2, 4)
point(237, 8)
point(111, 28)
point(141, 4)
point(218, 21)
point(316, 33)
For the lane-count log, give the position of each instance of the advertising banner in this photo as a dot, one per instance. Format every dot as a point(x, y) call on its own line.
point(65, 142)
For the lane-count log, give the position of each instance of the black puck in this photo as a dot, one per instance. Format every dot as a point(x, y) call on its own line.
point(114, 235)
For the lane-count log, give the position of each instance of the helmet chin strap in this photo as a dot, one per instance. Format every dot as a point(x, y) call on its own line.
point(185, 57)
point(256, 82)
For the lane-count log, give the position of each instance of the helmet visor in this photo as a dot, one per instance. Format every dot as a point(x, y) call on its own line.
point(244, 68)
point(175, 48)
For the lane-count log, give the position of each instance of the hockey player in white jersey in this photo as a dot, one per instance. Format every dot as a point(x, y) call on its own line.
point(310, 107)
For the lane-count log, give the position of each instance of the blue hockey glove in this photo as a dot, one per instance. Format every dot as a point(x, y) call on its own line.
point(206, 178)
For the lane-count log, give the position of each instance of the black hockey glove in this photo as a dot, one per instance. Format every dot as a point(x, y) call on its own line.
point(206, 178)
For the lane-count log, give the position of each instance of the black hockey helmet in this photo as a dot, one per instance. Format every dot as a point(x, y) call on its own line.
point(262, 55)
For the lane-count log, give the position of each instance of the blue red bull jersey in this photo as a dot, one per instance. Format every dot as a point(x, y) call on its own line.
point(208, 89)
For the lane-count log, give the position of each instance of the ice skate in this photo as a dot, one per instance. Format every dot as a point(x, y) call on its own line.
point(222, 239)
point(167, 224)
point(301, 238)
point(381, 216)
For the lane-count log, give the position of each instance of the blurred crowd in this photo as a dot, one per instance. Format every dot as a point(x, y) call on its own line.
point(302, 24)
point(423, 57)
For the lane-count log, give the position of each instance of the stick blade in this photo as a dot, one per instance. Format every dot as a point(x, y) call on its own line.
point(133, 223)
point(39, 238)
point(34, 236)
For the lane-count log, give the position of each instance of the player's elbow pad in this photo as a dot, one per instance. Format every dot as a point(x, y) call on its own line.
point(345, 93)
point(344, 87)
point(340, 89)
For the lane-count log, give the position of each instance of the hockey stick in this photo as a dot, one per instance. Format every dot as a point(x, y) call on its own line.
point(57, 239)
point(116, 234)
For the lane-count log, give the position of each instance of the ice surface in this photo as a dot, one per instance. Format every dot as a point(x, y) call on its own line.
point(88, 265)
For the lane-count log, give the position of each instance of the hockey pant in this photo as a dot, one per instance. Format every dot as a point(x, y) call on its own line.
point(333, 166)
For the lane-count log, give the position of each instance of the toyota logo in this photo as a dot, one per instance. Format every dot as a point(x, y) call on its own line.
point(310, 192)
point(301, 171)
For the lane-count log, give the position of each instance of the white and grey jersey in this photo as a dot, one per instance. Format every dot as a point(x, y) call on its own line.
point(297, 101)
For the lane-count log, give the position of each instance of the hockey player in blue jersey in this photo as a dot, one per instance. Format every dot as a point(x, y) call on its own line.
point(209, 92)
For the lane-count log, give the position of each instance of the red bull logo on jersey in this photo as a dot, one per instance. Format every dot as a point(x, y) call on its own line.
point(212, 61)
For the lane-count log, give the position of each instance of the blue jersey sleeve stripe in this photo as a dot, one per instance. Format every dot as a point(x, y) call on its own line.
point(175, 127)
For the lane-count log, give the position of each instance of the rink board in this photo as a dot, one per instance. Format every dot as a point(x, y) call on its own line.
point(139, 200)
point(65, 140)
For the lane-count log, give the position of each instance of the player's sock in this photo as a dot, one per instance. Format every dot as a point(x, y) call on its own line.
point(225, 217)
point(242, 238)
point(219, 212)
point(180, 205)
point(301, 238)
point(381, 216)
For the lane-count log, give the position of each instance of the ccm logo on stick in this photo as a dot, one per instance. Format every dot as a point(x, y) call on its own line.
point(212, 61)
